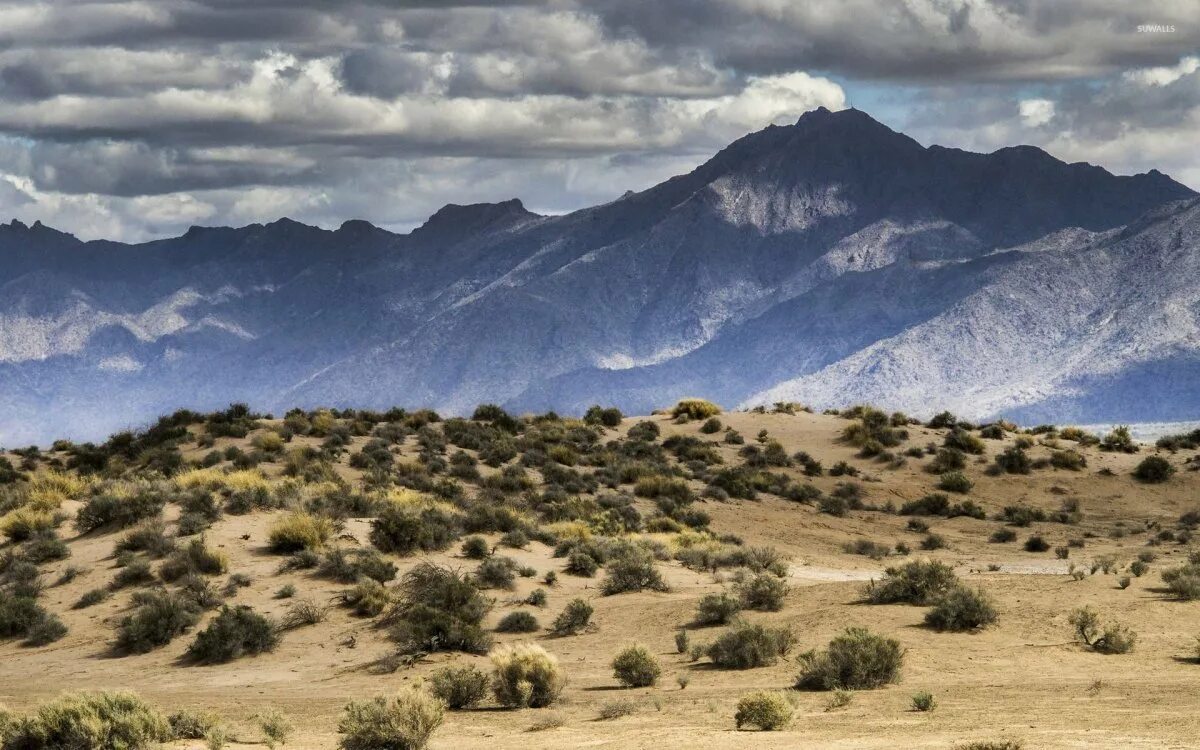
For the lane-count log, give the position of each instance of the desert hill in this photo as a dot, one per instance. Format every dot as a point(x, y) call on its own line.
point(794, 515)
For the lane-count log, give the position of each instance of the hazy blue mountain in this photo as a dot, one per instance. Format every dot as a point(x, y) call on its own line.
point(830, 261)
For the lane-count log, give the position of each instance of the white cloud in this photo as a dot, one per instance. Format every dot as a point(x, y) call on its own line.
point(1036, 112)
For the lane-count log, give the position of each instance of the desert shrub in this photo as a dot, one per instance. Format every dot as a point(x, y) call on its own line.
point(496, 573)
point(303, 612)
point(855, 660)
point(575, 617)
point(682, 642)
point(438, 609)
point(275, 726)
point(1036, 543)
point(348, 566)
point(955, 481)
point(762, 592)
point(1114, 638)
point(711, 425)
point(45, 630)
point(1119, 440)
point(1002, 535)
point(475, 548)
point(518, 622)
point(764, 710)
point(27, 523)
point(580, 563)
point(924, 701)
point(1070, 460)
point(196, 557)
point(717, 609)
point(91, 598)
point(1153, 469)
point(367, 598)
point(160, 616)
point(404, 530)
point(405, 722)
point(44, 548)
point(991, 745)
point(1022, 515)
point(961, 608)
point(632, 571)
point(136, 573)
point(119, 508)
point(1183, 581)
point(1014, 460)
point(961, 440)
point(297, 531)
point(191, 725)
point(933, 541)
point(918, 582)
point(947, 459)
point(746, 646)
point(459, 687)
point(234, 632)
point(526, 676)
point(150, 537)
point(635, 666)
point(695, 408)
point(95, 721)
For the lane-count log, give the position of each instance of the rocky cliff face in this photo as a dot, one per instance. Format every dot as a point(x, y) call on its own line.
point(830, 261)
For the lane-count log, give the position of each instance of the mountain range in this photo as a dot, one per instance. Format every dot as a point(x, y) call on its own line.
point(830, 262)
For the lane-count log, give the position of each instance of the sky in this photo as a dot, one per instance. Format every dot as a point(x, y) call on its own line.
point(135, 120)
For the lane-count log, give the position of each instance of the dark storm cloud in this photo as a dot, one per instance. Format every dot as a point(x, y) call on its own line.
point(129, 117)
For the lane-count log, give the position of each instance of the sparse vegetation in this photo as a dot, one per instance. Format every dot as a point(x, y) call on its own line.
point(763, 710)
point(635, 666)
point(855, 660)
point(526, 676)
point(403, 722)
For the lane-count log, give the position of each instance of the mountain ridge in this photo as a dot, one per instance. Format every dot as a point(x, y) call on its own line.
point(793, 249)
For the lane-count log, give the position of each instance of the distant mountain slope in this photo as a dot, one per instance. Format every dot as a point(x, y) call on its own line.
point(830, 261)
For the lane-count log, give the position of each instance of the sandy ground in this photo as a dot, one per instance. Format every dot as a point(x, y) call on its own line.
point(1020, 679)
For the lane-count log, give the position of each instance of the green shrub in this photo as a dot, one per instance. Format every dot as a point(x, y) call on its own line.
point(762, 592)
point(1002, 535)
point(635, 666)
point(46, 630)
point(574, 618)
point(404, 722)
point(1036, 543)
point(196, 558)
point(961, 608)
point(855, 660)
point(459, 687)
point(518, 622)
point(923, 701)
point(918, 582)
point(526, 676)
point(136, 573)
point(1014, 460)
point(27, 523)
point(297, 531)
point(437, 609)
point(955, 481)
point(91, 721)
point(348, 566)
point(496, 573)
point(303, 612)
point(22, 616)
point(475, 548)
point(633, 571)
point(151, 538)
point(114, 509)
point(711, 425)
point(1114, 638)
point(404, 530)
point(580, 563)
point(1153, 469)
point(367, 598)
point(717, 609)
point(746, 646)
point(91, 598)
point(1183, 581)
point(764, 710)
point(160, 616)
point(234, 632)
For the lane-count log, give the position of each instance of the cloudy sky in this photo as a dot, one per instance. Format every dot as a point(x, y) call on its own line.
point(134, 120)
